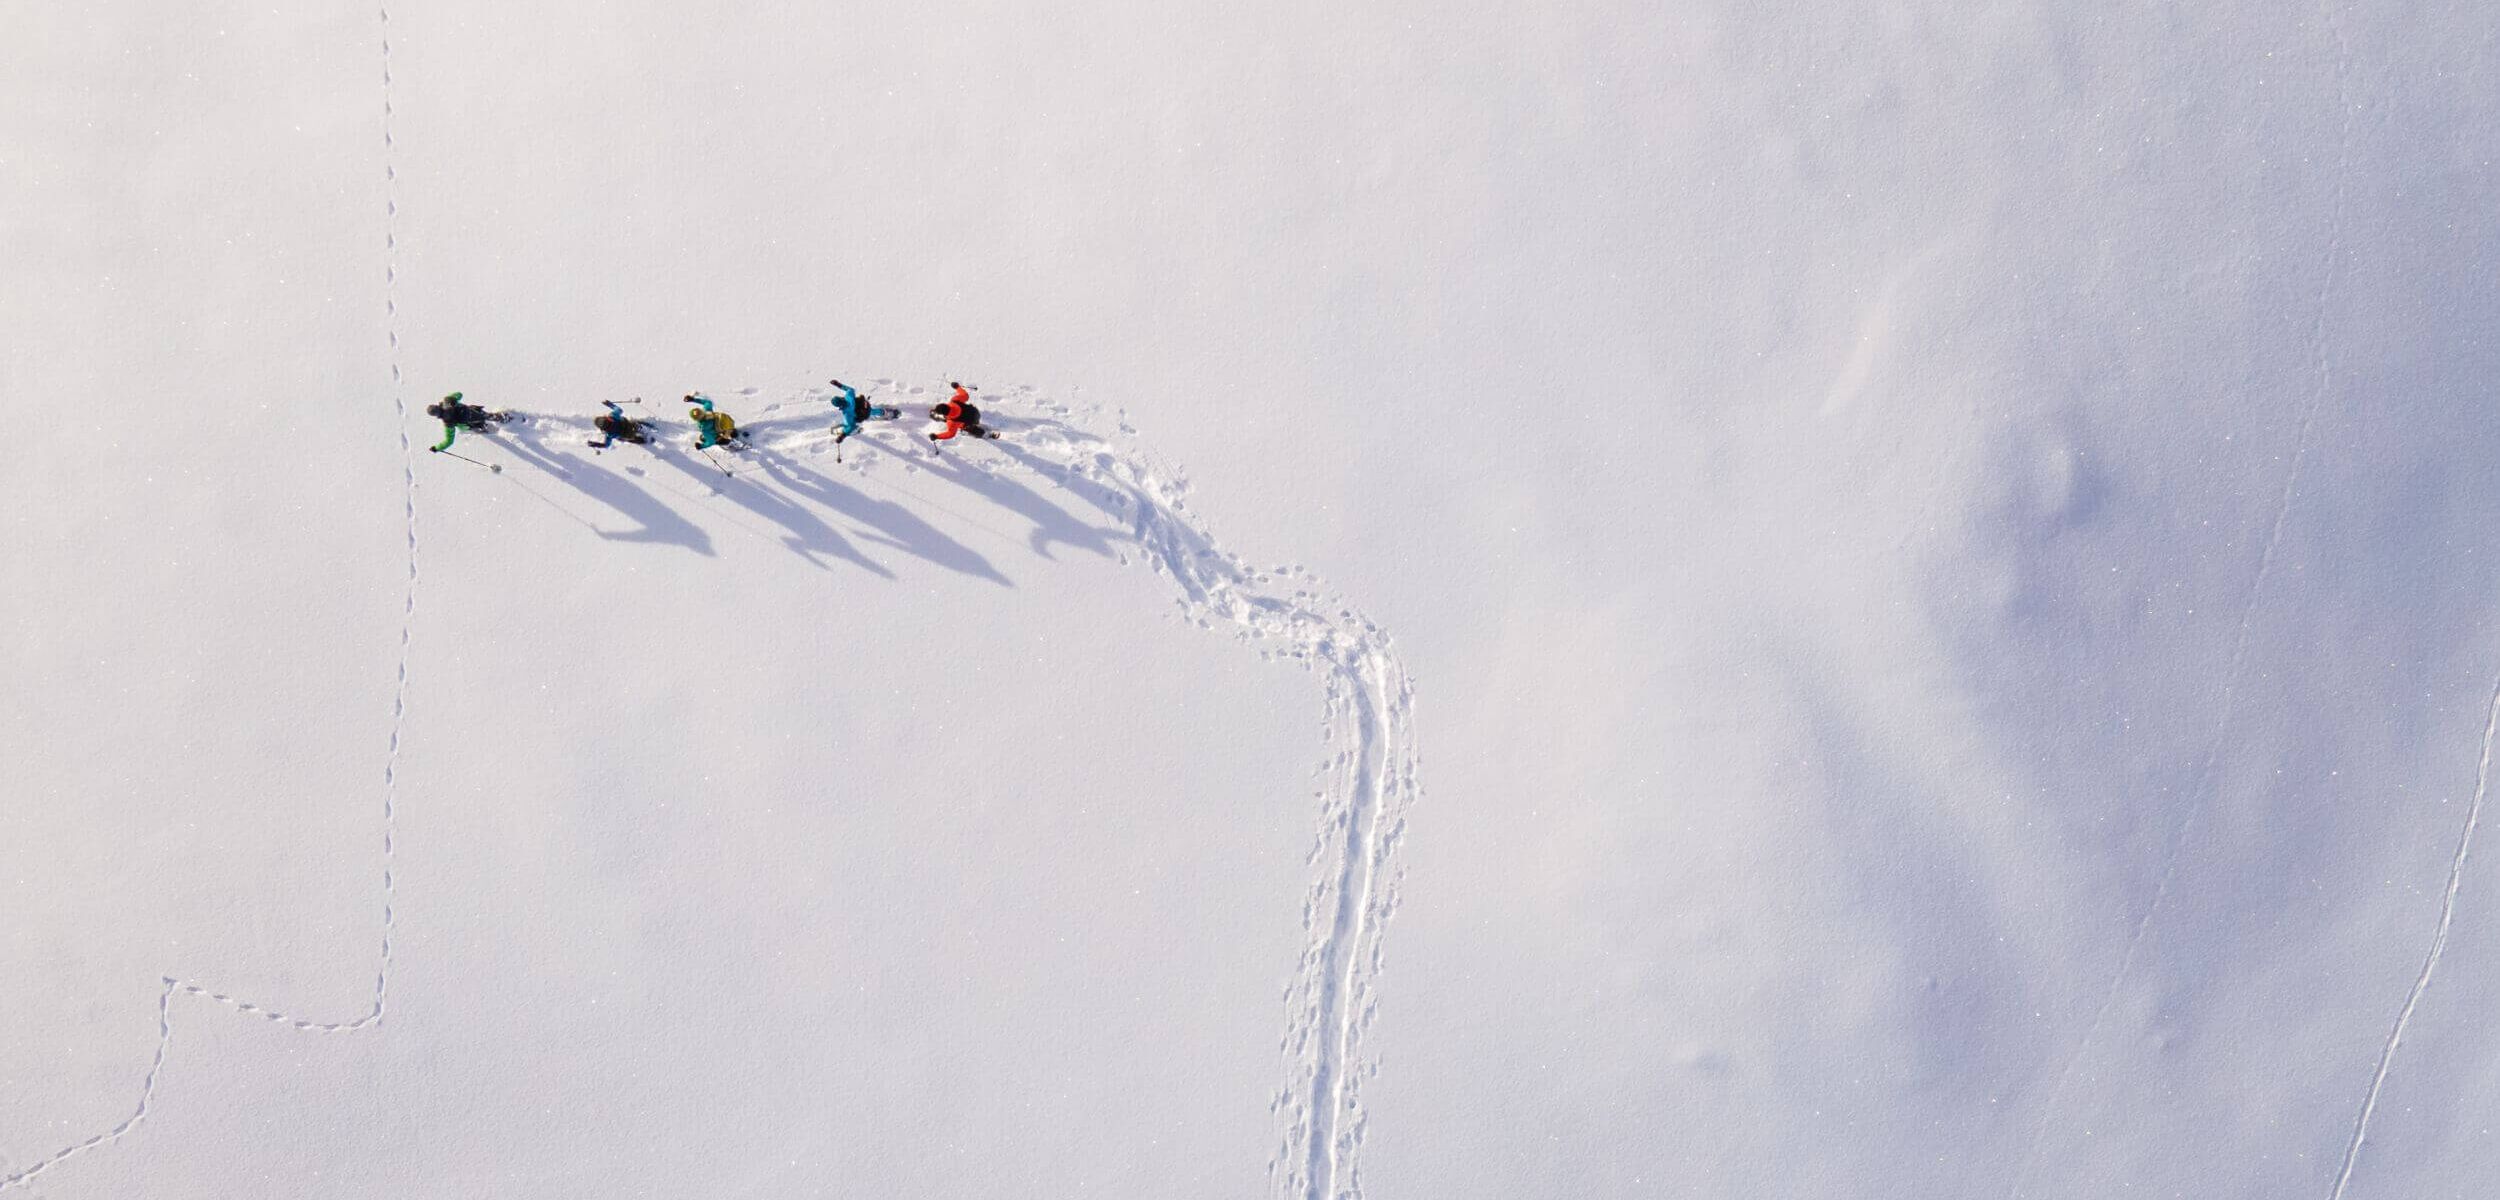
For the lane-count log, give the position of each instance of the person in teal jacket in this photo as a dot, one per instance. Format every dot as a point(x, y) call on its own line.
point(854, 410)
point(718, 429)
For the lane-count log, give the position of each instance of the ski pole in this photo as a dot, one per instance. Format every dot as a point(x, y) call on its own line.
point(497, 468)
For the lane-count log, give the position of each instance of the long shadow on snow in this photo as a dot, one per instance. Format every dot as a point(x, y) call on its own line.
point(1052, 525)
point(896, 525)
point(657, 522)
point(1072, 481)
point(1185, 552)
point(806, 535)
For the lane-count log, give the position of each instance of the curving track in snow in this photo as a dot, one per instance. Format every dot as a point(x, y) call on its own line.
point(1365, 785)
point(1368, 782)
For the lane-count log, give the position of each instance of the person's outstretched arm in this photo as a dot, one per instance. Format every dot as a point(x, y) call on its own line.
point(450, 431)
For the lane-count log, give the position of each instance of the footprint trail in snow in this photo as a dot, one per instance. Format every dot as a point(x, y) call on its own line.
point(1364, 786)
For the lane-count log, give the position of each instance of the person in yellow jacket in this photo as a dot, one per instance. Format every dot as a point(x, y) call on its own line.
point(718, 428)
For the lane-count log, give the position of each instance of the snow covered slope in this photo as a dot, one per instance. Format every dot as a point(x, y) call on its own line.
point(1942, 553)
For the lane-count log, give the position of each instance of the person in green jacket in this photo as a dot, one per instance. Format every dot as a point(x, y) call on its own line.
point(457, 414)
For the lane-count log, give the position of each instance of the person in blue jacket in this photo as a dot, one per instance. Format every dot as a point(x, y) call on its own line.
point(616, 427)
point(854, 410)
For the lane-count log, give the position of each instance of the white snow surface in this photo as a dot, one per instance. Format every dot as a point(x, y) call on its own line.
point(1826, 600)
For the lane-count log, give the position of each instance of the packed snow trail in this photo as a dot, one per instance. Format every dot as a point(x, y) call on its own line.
point(1370, 775)
point(1368, 779)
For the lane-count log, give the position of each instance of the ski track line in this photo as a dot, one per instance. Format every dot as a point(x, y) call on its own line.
point(2203, 781)
point(399, 709)
point(2430, 959)
point(4, 1167)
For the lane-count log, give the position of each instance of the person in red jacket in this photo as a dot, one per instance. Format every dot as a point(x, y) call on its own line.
point(959, 416)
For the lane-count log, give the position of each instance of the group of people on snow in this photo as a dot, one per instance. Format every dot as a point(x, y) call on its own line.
point(956, 417)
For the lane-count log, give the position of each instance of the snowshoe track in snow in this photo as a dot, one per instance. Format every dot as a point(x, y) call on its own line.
point(1368, 781)
point(1364, 786)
